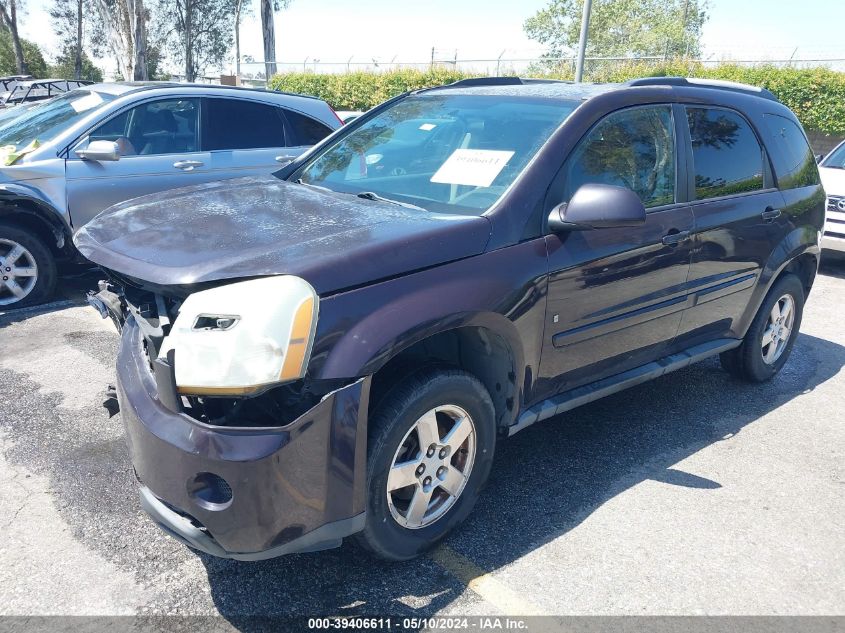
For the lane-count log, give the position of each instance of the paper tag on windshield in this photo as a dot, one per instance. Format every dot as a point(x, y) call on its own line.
point(476, 167)
point(87, 102)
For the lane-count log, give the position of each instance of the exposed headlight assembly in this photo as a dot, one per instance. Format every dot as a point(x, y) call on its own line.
point(236, 339)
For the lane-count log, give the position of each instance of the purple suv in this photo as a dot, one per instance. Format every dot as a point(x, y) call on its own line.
point(335, 350)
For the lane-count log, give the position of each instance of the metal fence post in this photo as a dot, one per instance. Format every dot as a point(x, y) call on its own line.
point(582, 40)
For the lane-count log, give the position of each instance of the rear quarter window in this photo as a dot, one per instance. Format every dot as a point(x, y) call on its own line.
point(792, 156)
point(306, 131)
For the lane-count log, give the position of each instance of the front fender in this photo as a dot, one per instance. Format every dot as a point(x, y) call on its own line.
point(18, 199)
point(503, 291)
point(20, 191)
point(369, 345)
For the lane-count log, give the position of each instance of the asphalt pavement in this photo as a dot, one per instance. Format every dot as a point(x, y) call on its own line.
point(692, 494)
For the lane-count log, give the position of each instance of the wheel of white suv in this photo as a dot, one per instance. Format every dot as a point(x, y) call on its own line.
point(27, 268)
point(431, 444)
point(769, 341)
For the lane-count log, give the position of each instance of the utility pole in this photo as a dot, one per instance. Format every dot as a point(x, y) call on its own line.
point(268, 33)
point(582, 41)
point(238, 5)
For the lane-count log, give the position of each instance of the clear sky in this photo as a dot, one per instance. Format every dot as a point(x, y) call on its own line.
point(384, 30)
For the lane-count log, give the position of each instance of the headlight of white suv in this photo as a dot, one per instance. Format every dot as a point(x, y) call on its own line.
point(237, 338)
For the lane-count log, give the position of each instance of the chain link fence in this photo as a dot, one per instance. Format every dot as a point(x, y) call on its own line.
point(253, 72)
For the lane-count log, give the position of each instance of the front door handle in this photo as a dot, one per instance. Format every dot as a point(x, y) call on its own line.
point(770, 214)
point(188, 165)
point(675, 238)
point(285, 158)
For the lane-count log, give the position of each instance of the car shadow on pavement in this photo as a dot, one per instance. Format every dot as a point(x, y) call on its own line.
point(833, 264)
point(546, 481)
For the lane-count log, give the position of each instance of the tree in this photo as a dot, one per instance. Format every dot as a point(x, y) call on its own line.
point(68, 63)
point(622, 28)
point(200, 32)
point(154, 60)
point(77, 24)
point(124, 24)
point(268, 31)
point(31, 53)
point(9, 20)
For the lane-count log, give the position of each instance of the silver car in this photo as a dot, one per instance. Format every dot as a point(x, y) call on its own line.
point(64, 161)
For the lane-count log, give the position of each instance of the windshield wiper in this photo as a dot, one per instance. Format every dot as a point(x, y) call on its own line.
point(366, 195)
point(371, 195)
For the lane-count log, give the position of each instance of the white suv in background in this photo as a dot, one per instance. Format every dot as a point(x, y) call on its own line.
point(832, 172)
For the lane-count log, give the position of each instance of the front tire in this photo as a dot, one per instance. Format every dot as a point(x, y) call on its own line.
point(27, 268)
point(431, 445)
point(771, 336)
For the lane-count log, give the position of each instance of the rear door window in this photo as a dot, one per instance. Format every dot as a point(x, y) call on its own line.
point(305, 130)
point(727, 156)
point(794, 162)
point(239, 124)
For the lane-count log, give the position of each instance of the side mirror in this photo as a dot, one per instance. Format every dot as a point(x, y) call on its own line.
point(597, 206)
point(100, 151)
point(819, 157)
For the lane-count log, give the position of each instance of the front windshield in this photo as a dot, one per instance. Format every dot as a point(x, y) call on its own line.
point(836, 159)
point(444, 153)
point(46, 120)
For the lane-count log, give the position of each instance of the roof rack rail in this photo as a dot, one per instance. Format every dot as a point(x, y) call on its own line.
point(485, 81)
point(502, 81)
point(734, 86)
point(543, 80)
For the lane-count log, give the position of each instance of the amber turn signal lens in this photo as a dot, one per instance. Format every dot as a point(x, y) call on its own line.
point(300, 338)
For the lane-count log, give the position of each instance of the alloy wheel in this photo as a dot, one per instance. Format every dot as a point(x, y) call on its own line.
point(18, 272)
point(778, 329)
point(431, 467)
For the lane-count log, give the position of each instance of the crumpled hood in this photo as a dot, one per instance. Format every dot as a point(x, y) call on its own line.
point(251, 227)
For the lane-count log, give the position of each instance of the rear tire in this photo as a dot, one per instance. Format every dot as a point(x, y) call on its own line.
point(27, 268)
point(771, 336)
point(439, 424)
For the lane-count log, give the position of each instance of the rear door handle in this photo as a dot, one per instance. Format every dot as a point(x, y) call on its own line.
point(188, 165)
point(770, 214)
point(672, 239)
point(286, 158)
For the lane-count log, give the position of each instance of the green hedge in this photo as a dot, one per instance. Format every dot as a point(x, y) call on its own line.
point(816, 95)
point(362, 90)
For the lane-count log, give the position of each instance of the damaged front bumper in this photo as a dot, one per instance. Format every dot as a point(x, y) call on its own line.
point(108, 303)
point(245, 493)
